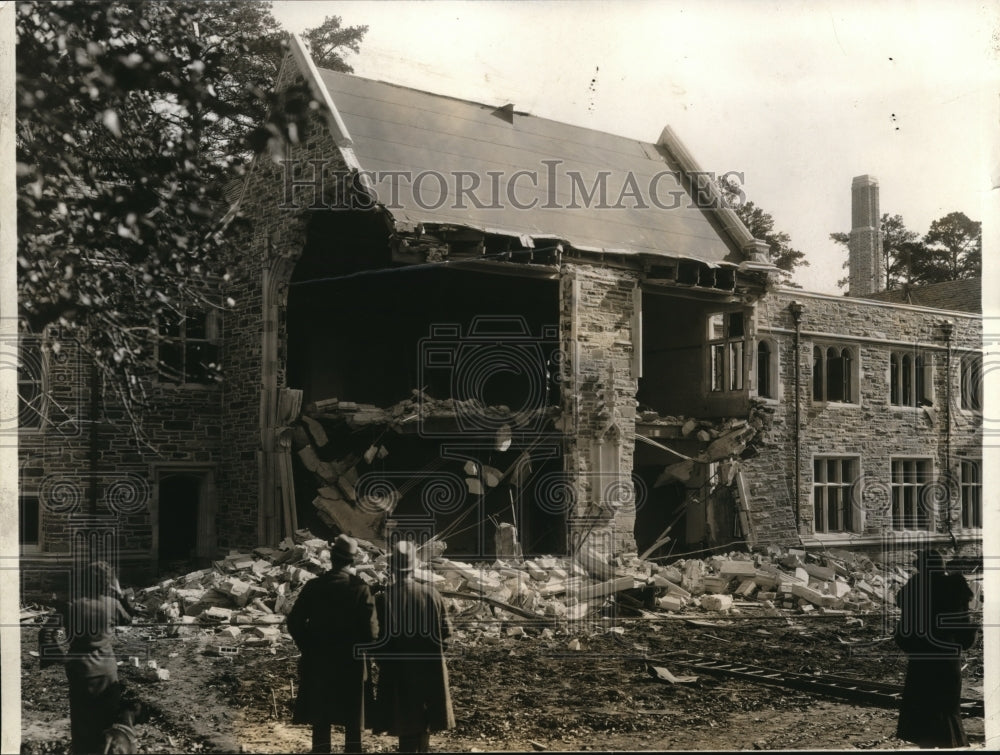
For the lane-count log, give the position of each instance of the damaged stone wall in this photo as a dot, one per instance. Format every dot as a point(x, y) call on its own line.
point(55, 463)
point(598, 395)
point(871, 430)
point(255, 351)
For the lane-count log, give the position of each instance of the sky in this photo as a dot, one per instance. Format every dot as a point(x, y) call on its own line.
point(800, 97)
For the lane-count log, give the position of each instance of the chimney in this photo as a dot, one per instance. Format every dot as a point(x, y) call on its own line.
point(865, 245)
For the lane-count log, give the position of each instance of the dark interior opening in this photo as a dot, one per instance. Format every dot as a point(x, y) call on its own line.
point(374, 338)
point(661, 508)
point(178, 517)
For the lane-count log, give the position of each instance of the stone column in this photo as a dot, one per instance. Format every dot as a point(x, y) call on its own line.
point(596, 313)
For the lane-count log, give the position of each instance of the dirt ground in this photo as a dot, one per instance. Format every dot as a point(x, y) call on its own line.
point(526, 694)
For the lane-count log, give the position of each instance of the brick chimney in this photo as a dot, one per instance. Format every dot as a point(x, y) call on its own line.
point(865, 245)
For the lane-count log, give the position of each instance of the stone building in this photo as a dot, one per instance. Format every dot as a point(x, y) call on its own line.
point(459, 317)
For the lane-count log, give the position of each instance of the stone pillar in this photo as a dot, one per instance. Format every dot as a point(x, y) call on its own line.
point(865, 245)
point(596, 313)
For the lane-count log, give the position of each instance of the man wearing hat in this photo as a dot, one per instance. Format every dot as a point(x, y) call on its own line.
point(333, 615)
point(414, 698)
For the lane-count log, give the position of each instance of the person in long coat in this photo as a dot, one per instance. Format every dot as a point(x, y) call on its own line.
point(934, 627)
point(413, 694)
point(94, 608)
point(332, 618)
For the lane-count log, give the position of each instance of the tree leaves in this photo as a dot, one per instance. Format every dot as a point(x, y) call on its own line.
point(951, 250)
point(132, 120)
point(761, 226)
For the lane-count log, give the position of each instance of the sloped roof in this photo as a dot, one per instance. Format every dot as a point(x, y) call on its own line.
point(958, 296)
point(394, 128)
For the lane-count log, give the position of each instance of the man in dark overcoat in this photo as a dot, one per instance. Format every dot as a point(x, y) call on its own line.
point(333, 615)
point(414, 698)
point(934, 627)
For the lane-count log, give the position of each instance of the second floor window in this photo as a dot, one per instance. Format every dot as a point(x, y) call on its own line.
point(725, 351)
point(971, 368)
point(188, 349)
point(833, 374)
point(910, 379)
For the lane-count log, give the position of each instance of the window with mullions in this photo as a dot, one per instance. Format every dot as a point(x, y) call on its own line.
point(833, 374)
point(725, 349)
point(972, 493)
point(910, 379)
point(910, 503)
point(971, 376)
point(188, 349)
point(834, 478)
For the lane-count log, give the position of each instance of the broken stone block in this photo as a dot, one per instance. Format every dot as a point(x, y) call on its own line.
point(536, 571)
point(746, 588)
point(737, 569)
point(694, 573)
point(670, 603)
point(267, 632)
point(714, 584)
point(822, 573)
point(717, 602)
point(813, 596)
point(217, 614)
point(231, 631)
point(316, 430)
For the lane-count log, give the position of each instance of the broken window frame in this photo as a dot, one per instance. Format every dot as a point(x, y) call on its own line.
point(182, 374)
point(909, 476)
point(726, 347)
point(911, 379)
point(834, 500)
point(971, 493)
point(971, 382)
point(834, 378)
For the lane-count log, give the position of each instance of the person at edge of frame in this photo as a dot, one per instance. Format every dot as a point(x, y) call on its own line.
point(413, 694)
point(333, 615)
point(934, 627)
point(89, 619)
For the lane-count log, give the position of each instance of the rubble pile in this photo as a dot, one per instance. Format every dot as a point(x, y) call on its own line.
point(361, 512)
point(830, 583)
point(245, 597)
point(419, 407)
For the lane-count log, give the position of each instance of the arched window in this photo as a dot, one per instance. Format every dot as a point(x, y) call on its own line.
point(910, 379)
point(833, 374)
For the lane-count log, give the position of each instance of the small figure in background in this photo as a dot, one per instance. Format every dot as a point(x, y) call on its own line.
point(414, 698)
point(934, 627)
point(333, 615)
